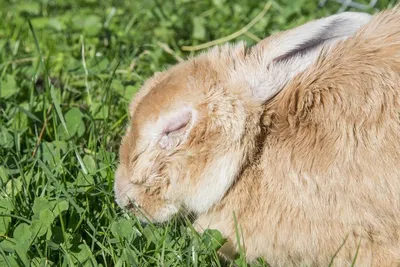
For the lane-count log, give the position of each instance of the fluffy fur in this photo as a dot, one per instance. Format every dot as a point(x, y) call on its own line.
point(310, 174)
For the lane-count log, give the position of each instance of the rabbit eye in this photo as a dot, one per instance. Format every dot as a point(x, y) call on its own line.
point(171, 140)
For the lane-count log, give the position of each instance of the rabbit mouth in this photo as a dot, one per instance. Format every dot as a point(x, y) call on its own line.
point(164, 214)
point(137, 211)
point(132, 206)
point(155, 215)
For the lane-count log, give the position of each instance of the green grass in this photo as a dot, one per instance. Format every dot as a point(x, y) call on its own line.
point(67, 72)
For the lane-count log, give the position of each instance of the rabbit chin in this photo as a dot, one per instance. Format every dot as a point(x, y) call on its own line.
point(161, 215)
point(148, 211)
point(164, 214)
point(133, 199)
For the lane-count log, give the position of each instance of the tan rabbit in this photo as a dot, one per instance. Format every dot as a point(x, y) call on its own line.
point(311, 174)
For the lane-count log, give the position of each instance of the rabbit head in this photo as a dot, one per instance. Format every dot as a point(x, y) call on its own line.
point(194, 127)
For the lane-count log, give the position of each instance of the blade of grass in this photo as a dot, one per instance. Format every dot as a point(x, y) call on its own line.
point(337, 251)
point(233, 35)
point(58, 185)
point(241, 248)
point(86, 71)
point(64, 124)
point(356, 255)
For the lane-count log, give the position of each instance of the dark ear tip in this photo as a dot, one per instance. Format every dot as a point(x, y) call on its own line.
point(280, 58)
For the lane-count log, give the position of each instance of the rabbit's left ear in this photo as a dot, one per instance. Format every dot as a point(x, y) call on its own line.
point(282, 56)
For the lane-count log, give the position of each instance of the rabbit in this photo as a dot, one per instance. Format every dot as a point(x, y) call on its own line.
point(294, 137)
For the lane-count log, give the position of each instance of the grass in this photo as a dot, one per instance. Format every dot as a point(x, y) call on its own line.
point(67, 72)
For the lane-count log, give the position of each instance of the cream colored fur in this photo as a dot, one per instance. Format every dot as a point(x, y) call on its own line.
point(308, 158)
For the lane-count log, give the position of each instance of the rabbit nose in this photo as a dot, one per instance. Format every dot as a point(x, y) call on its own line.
point(132, 204)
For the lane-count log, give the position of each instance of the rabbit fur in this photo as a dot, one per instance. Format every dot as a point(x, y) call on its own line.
point(298, 137)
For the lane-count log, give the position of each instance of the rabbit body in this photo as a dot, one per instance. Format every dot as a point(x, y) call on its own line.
point(328, 179)
point(312, 174)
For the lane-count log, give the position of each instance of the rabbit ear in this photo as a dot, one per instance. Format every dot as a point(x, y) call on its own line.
point(284, 55)
point(175, 127)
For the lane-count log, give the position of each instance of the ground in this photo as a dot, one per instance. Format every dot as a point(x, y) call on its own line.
point(67, 72)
